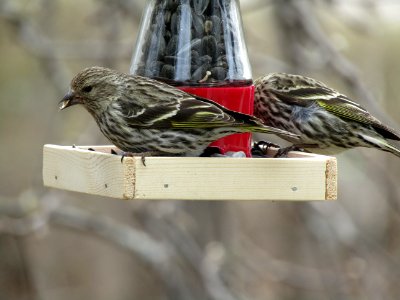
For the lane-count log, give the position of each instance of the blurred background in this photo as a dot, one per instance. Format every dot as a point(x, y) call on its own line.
point(63, 245)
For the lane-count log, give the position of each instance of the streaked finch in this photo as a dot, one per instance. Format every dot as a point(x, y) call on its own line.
point(138, 114)
point(327, 121)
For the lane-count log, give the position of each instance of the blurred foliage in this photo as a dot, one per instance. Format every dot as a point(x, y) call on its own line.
point(59, 245)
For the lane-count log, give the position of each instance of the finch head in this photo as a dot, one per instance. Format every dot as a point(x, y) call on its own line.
point(94, 88)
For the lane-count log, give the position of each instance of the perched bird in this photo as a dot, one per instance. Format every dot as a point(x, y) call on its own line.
point(326, 120)
point(141, 115)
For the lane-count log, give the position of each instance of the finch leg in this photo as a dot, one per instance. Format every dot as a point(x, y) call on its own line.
point(261, 148)
point(141, 154)
point(283, 152)
point(209, 151)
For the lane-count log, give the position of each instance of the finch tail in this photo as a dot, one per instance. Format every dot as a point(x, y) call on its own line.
point(381, 143)
point(254, 124)
point(270, 130)
point(392, 149)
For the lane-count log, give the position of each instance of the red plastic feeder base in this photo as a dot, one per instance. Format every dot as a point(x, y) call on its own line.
point(240, 99)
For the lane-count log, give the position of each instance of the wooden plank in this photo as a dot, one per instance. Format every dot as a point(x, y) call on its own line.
point(303, 177)
point(86, 171)
point(331, 179)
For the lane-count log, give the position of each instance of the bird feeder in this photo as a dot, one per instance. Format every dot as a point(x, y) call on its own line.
point(197, 46)
point(94, 170)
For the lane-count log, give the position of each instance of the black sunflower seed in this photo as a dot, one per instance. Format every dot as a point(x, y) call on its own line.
point(200, 6)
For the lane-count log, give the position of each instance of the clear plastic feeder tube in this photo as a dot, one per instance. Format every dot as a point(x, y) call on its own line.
point(198, 46)
point(192, 43)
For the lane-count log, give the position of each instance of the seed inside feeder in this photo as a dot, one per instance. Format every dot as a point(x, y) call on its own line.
point(184, 40)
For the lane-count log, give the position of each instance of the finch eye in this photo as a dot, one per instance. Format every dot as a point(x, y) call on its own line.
point(87, 89)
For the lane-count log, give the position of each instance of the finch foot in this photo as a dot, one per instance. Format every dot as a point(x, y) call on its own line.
point(209, 151)
point(261, 148)
point(131, 154)
point(141, 154)
point(283, 152)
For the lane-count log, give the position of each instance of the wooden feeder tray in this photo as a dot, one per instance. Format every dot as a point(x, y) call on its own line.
point(301, 176)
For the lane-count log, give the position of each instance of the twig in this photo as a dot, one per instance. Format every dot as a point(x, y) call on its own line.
point(202, 261)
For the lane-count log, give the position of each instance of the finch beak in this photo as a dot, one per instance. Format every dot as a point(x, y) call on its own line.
point(69, 99)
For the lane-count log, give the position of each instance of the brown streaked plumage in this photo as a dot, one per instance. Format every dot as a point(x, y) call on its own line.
point(139, 114)
point(327, 121)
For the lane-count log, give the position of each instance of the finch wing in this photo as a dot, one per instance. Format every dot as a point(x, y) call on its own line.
point(154, 104)
point(184, 112)
point(346, 109)
point(197, 112)
point(152, 115)
point(335, 103)
point(187, 112)
point(151, 104)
